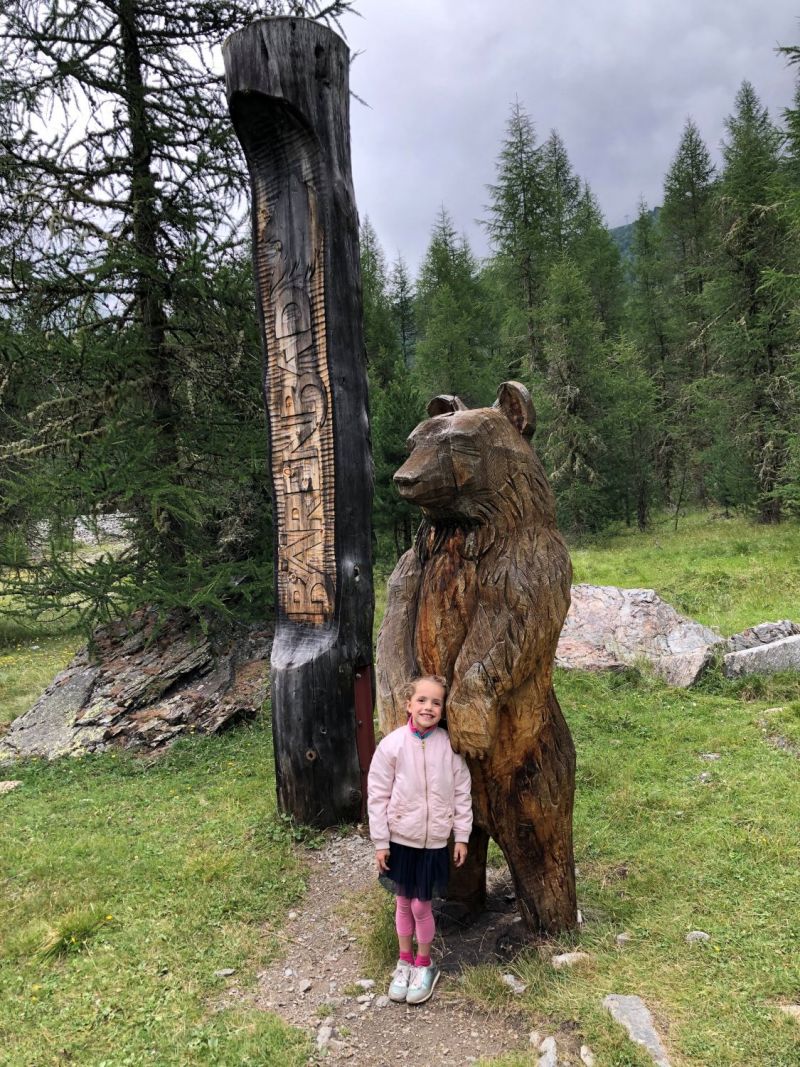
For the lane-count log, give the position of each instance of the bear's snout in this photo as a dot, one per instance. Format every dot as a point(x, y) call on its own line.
point(405, 481)
point(425, 478)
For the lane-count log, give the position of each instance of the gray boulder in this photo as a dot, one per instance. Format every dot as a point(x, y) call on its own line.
point(608, 628)
point(143, 686)
point(783, 655)
point(763, 634)
point(49, 728)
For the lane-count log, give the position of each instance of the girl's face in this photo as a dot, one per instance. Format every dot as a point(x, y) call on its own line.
point(425, 705)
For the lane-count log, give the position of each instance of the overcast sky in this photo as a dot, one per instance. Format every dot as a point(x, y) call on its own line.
point(616, 78)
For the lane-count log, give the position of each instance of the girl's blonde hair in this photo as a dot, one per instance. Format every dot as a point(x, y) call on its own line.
point(410, 688)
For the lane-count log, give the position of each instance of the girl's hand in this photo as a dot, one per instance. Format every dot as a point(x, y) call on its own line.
point(382, 859)
point(459, 854)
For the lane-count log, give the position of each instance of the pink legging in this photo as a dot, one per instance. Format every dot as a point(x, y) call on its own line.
point(415, 912)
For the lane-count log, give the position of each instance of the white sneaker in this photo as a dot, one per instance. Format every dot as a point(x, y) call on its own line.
point(423, 983)
point(398, 988)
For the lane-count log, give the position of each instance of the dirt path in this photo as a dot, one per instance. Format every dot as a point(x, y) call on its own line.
point(315, 984)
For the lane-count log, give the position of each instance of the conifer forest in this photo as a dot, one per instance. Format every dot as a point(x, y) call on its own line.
point(664, 360)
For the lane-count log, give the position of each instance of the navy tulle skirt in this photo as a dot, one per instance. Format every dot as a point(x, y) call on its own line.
point(419, 873)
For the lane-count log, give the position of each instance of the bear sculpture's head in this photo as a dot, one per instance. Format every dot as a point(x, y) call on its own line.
point(477, 466)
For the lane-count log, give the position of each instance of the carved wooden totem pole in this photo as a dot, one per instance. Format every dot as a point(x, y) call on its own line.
point(287, 84)
point(480, 600)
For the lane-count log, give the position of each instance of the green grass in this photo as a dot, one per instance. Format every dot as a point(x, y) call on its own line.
point(726, 573)
point(33, 651)
point(124, 888)
point(27, 666)
point(720, 856)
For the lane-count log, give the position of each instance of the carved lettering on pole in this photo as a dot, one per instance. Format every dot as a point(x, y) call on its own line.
point(299, 401)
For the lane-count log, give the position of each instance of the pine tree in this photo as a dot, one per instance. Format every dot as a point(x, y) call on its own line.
point(380, 336)
point(685, 229)
point(791, 116)
point(395, 411)
point(752, 335)
point(562, 195)
point(573, 408)
point(685, 222)
point(631, 431)
point(395, 407)
point(454, 352)
point(649, 325)
point(401, 298)
point(515, 230)
point(782, 282)
point(648, 310)
point(593, 248)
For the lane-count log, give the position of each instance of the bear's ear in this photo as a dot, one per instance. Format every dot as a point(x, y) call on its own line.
point(445, 405)
point(514, 400)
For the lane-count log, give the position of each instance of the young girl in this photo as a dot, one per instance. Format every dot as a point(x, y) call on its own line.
point(419, 792)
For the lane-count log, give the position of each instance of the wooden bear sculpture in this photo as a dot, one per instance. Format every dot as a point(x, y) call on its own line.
point(480, 600)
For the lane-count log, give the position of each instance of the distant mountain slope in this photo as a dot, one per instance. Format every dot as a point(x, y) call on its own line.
point(623, 236)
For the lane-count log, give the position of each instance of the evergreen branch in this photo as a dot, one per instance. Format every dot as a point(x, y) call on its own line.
point(15, 450)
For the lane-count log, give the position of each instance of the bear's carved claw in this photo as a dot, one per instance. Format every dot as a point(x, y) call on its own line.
point(469, 738)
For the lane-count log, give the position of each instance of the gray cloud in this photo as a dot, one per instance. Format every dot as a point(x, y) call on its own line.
point(616, 78)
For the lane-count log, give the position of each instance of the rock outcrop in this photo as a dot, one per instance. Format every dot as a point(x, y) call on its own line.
point(782, 655)
point(609, 628)
point(142, 686)
point(764, 634)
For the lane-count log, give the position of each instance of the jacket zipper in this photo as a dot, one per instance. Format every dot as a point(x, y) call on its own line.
point(427, 809)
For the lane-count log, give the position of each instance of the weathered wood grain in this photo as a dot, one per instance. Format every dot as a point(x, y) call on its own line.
point(287, 85)
point(480, 600)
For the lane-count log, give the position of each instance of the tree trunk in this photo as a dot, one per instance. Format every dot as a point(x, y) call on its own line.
point(287, 84)
point(162, 530)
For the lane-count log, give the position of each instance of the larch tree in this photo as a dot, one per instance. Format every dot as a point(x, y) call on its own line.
point(454, 351)
point(380, 336)
point(631, 431)
point(752, 333)
point(395, 407)
point(561, 194)
point(573, 398)
point(593, 249)
point(649, 327)
point(685, 226)
point(401, 297)
point(394, 411)
point(514, 225)
point(782, 281)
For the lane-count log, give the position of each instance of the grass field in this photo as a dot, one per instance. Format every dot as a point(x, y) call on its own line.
point(27, 666)
point(724, 572)
point(165, 873)
point(125, 887)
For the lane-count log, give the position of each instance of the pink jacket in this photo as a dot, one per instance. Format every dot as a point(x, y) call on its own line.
point(418, 791)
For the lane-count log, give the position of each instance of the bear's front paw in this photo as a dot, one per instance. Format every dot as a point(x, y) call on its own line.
point(471, 728)
point(472, 713)
point(467, 742)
